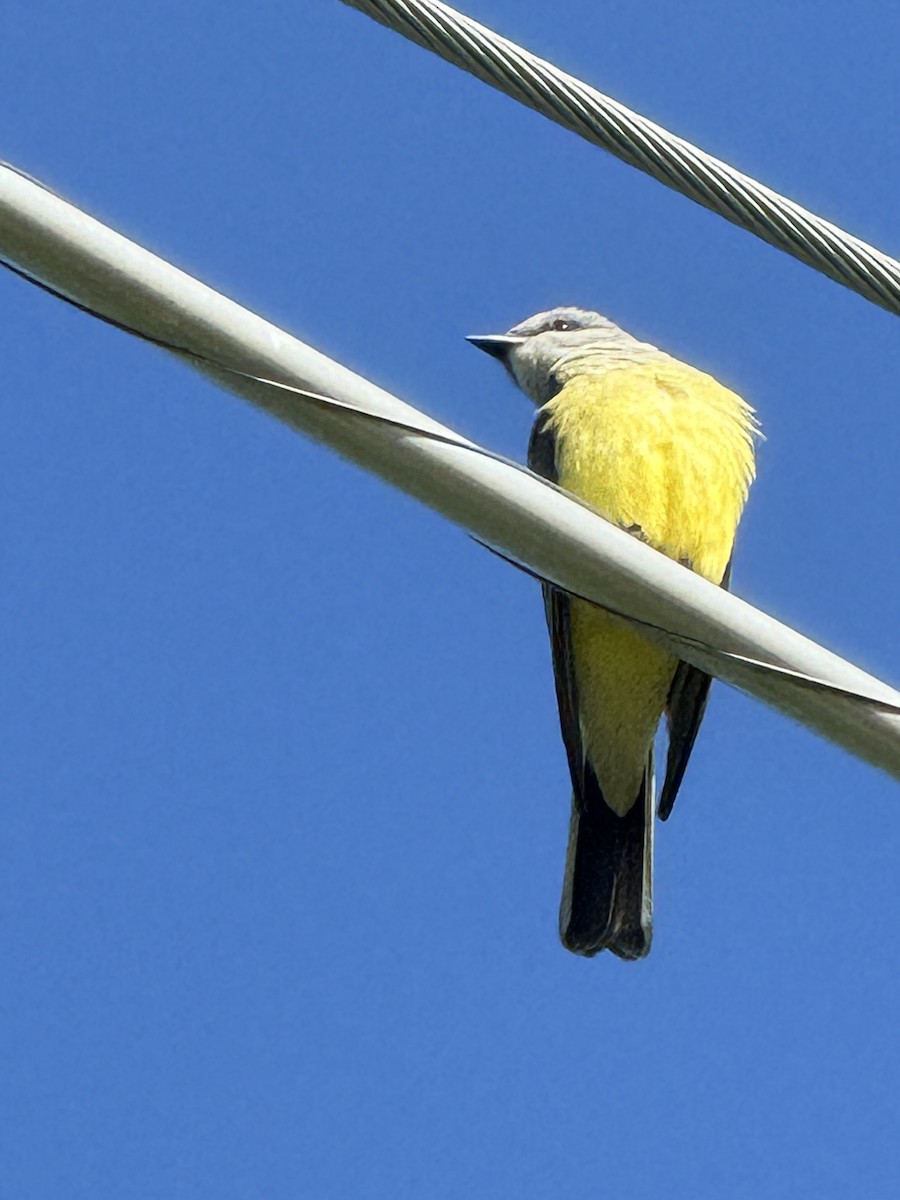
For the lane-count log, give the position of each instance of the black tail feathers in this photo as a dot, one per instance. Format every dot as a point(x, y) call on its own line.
point(607, 901)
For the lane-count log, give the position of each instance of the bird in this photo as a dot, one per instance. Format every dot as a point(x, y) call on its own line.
point(667, 453)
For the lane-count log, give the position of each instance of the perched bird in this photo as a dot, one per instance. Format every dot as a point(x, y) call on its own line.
point(666, 453)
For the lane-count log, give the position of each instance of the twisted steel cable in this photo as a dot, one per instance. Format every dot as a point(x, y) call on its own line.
point(643, 144)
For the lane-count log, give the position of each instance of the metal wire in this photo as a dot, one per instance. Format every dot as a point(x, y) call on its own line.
point(642, 144)
point(532, 524)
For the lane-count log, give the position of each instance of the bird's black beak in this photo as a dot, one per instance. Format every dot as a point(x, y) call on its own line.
point(498, 345)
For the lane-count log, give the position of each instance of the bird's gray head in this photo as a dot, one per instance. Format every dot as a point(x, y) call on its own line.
point(547, 349)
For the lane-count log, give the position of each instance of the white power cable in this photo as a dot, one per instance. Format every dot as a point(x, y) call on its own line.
point(508, 508)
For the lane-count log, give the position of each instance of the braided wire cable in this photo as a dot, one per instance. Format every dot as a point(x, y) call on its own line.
point(643, 144)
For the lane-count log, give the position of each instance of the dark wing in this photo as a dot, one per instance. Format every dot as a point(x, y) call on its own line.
point(684, 712)
point(542, 460)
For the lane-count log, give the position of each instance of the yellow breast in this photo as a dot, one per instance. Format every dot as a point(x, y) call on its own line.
point(661, 448)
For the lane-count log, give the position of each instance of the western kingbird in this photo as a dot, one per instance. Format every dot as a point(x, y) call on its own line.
point(667, 453)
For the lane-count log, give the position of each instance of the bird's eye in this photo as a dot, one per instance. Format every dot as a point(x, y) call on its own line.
point(563, 325)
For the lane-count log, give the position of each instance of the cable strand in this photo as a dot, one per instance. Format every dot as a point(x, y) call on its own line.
point(642, 144)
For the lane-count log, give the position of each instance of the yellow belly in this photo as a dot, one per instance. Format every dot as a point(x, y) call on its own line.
point(666, 452)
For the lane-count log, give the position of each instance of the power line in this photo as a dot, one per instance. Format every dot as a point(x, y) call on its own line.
point(521, 516)
point(643, 144)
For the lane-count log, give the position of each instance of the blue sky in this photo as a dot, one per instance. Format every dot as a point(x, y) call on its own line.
point(285, 805)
